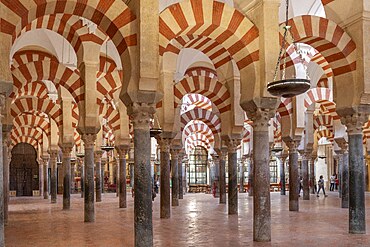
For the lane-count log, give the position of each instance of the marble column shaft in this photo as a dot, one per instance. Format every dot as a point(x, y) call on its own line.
point(122, 193)
point(179, 169)
point(261, 179)
point(102, 168)
point(232, 145)
point(53, 175)
point(293, 176)
point(46, 177)
point(250, 176)
point(305, 176)
point(2, 239)
point(312, 176)
point(165, 198)
point(282, 175)
point(222, 181)
point(67, 149)
point(345, 181)
point(6, 163)
point(143, 224)
point(175, 176)
point(89, 206)
point(357, 220)
point(82, 178)
point(98, 178)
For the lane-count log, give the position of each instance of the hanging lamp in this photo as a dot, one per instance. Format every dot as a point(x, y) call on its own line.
point(155, 130)
point(287, 87)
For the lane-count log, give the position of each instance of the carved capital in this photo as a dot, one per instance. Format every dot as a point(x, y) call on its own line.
point(2, 102)
point(354, 122)
point(164, 144)
point(97, 155)
point(66, 149)
point(222, 153)
point(292, 144)
point(89, 140)
point(141, 114)
point(175, 153)
point(53, 155)
point(232, 145)
point(122, 150)
point(261, 119)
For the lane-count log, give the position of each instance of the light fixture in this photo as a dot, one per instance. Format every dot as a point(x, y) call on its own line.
point(287, 87)
point(155, 130)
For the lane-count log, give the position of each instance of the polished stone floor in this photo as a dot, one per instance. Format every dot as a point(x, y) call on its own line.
point(198, 221)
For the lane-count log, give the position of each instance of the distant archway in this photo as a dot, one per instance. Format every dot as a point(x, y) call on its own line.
point(24, 170)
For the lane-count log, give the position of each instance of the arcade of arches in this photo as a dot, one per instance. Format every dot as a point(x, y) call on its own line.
point(103, 96)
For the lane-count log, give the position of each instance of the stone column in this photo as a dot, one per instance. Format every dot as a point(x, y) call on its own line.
point(102, 169)
point(89, 207)
point(306, 157)
point(165, 209)
point(357, 215)
point(60, 177)
point(261, 176)
point(241, 173)
point(67, 149)
point(73, 174)
point(45, 160)
point(82, 178)
point(345, 180)
point(2, 105)
point(41, 179)
point(339, 154)
point(181, 187)
point(143, 224)
point(282, 159)
point(232, 146)
point(6, 163)
point(293, 174)
point(222, 155)
point(250, 176)
point(216, 160)
point(312, 173)
point(53, 175)
point(98, 178)
point(175, 176)
point(122, 151)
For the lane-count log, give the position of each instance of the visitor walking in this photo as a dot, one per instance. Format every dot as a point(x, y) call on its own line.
point(321, 186)
point(332, 182)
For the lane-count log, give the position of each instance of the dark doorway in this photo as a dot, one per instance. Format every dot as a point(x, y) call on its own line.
point(24, 170)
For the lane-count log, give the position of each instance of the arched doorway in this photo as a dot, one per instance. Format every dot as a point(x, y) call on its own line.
point(24, 170)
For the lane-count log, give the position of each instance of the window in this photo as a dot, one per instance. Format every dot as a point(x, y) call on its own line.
point(273, 171)
point(198, 166)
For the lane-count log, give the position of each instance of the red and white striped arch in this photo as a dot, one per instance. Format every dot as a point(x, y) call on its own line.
point(120, 25)
point(329, 39)
point(278, 137)
point(196, 101)
point(197, 143)
point(35, 88)
point(323, 120)
point(214, 20)
point(285, 107)
point(246, 135)
point(324, 97)
point(34, 133)
point(30, 105)
point(197, 127)
point(195, 138)
point(77, 139)
point(24, 139)
point(206, 86)
point(30, 120)
point(321, 61)
point(29, 56)
point(201, 71)
point(325, 133)
point(208, 117)
point(52, 71)
point(107, 84)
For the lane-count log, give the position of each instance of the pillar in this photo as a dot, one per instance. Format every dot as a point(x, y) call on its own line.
point(232, 146)
point(261, 177)
point(122, 152)
point(89, 207)
point(312, 173)
point(98, 188)
point(216, 160)
point(102, 169)
point(82, 178)
point(344, 183)
point(53, 175)
point(293, 174)
point(179, 169)
point(41, 174)
point(73, 174)
point(222, 155)
point(67, 149)
point(250, 176)
point(357, 215)
point(282, 158)
point(6, 163)
point(241, 172)
point(2, 104)
point(143, 224)
point(45, 160)
point(305, 175)
point(175, 175)
point(165, 210)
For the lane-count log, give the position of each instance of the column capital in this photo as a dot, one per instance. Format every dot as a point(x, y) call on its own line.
point(2, 102)
point(232, 145)
point(141, 114)
point(97, 155)
point(291, 143)
point(53, 154)
point(66, 149)
point(122, 150)
point(215, 157)
point(306, 153)
point(164, 143)
point(261, 118)
point(89, 140)
point(354, 122)
point(175, 152)
point(222, 153)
